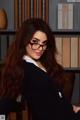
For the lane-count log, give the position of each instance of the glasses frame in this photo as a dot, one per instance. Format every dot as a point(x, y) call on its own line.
point(38, 46)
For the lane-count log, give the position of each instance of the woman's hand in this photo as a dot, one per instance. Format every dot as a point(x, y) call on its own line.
point(76, 108)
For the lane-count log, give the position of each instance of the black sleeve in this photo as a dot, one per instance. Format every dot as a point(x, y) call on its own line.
point(8, 105)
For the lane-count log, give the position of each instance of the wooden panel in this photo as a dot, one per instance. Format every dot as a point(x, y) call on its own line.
point(16, 116)
point(16, 14)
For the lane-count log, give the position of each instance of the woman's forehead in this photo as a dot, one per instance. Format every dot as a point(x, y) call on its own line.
point(40, 36)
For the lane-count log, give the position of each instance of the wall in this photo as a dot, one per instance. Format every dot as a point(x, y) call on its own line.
point(8, 6)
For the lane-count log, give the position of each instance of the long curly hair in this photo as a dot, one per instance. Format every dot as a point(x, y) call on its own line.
point(13, 73)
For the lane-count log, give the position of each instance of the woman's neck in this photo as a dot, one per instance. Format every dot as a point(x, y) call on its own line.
point(40, 65)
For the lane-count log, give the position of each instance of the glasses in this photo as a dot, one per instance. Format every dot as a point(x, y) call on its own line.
point(36, 46)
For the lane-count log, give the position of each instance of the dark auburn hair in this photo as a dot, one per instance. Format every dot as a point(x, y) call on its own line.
point(13, 73)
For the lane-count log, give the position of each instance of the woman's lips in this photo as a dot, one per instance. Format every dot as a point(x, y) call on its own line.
point(38, 53)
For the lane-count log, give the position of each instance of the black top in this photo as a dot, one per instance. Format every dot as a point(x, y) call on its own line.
point(45, 101)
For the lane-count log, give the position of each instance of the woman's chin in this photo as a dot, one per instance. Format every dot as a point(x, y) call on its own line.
point(37, 57)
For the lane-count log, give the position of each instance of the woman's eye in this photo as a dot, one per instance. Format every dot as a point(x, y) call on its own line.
point(45, 43)
point(34, 41)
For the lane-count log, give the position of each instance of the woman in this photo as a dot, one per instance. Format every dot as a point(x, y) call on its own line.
point(31, 71)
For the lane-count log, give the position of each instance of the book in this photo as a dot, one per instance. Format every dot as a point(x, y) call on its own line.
point(70, 16)
point(22, 10)
point(66, 52)
point(79, 52)
point(74, 51)
point(0, 48)
point(35, 8)
point(60, 26)
point(40, 8)
point(73, 0)
point(58, 41)
point(16, 14)
point(20, 15)
point(46, 10)
point(65, 16)
point(27, 9)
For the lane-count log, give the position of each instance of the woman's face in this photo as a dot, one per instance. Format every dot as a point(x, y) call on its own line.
point(37, 45)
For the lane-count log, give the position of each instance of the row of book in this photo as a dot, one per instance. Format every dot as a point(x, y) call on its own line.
point(24, 9)
point(65, 16)
point(68, 51)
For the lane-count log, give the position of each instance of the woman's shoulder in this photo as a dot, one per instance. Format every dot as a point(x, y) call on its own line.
point(30, 68)
point(27, 65)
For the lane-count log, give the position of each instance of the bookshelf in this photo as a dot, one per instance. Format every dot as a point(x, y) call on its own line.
point(6, 37)
point(68, 47)
point(24, 9)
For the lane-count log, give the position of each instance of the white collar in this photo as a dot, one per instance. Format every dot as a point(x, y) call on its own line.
point(30, 60)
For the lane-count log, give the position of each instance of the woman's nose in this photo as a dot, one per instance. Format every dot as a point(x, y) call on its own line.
point(40, 48)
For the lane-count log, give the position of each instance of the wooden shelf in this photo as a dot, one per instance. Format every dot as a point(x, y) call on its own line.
point(54, 32)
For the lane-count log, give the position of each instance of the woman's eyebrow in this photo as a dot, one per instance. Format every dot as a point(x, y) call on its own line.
point(40, 40)
point(36, 39)
point(45, 41)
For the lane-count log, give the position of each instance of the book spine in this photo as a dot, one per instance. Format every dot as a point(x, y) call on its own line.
point(0, 48)
point(58, 41)
point(70, 16)
point(79, 52)
point(22, 10)
point(46, 10)
point(16, 14)
point(74, 51)
point(66, 52)
point(40, 7)
point(20, 15)
point(35, 8)
point(28, 9)
point(60, 16)
point(65, 16)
